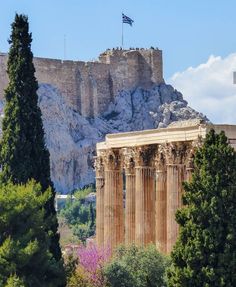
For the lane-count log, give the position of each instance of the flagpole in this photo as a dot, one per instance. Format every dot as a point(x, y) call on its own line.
point(122, 34)
point(64, 50)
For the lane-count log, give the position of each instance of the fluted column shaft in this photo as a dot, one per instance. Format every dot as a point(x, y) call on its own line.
point(144, 206)
point(100, 210)
point(113, 209)
point(174, 193)
point(130, 209)
point(161, 204)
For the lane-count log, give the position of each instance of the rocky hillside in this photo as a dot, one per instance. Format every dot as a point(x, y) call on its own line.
point(71, 138)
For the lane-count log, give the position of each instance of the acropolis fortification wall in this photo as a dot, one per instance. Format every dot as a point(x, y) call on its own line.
point(88, 87)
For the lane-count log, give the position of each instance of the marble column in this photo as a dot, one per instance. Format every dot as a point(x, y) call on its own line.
point(161, 202)
point(175, 178)
point(145, 198)
point(113, 200)
point(189, 161)
point(130, 197)
point(99, 201)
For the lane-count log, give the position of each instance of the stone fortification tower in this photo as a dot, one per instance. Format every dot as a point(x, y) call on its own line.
point(88, 87)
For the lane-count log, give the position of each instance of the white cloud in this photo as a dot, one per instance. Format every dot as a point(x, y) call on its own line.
point(209, 88)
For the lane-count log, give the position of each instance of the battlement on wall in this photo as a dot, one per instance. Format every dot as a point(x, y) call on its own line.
point(89, 87)
point(116, 54)
point(143, 64)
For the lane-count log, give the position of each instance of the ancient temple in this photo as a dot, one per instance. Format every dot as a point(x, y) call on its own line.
point(139, 178)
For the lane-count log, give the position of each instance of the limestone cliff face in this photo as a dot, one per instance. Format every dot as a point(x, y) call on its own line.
point(71, 138)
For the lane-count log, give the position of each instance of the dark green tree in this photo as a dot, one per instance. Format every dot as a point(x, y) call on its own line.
point(205, 252)
point(23, 152)
point(25, 257)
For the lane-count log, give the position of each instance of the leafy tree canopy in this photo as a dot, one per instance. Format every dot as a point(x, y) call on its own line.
point(137, 266)
point(24, 243)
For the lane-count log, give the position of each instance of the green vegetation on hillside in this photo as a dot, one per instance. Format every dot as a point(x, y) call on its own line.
point(205, 252)
point(79, 215)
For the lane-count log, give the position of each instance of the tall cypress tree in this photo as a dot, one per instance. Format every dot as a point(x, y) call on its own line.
point(205, 252)
point(23, 152)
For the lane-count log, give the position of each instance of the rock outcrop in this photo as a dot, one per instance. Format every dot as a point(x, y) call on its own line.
point(71, 138)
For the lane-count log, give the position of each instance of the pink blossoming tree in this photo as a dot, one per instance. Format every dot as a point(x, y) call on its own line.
point(91, 262)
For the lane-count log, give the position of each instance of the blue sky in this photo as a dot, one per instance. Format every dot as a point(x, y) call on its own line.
point(187, 31)
point(197, 38)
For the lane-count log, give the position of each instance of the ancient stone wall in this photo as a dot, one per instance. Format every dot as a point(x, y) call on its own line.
point(88, 87)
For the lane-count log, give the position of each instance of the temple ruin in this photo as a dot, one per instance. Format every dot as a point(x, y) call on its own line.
point(148, 169)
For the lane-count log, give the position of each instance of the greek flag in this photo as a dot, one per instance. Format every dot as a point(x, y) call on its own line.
point(127, 20)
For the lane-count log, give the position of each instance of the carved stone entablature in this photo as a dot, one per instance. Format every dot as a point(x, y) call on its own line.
point(144, 155)
point(175, 152)
point(128, 160)
point(112, 159)
point(99, 166)
point(160, 158)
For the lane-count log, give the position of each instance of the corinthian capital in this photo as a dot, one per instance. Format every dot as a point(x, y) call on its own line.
point(112, 159)
point(189, 158)
point(99, 166)
point(160, 158)
point(191, 150)
point(144, 155)
point(128, 159)
point(175, 152)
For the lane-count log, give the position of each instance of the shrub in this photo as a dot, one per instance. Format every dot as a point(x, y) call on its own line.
point(14, 281)
point(78, 279)
point(137, 266)
point(24, 243)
